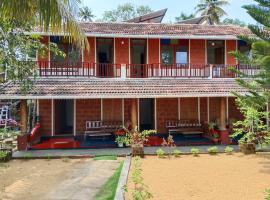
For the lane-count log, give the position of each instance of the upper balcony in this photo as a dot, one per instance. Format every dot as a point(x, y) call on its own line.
point(154, 70)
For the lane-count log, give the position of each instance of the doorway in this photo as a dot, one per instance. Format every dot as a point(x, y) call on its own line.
point(63, 117)
point(138, 58)
point(147, 113)
point(105, 57)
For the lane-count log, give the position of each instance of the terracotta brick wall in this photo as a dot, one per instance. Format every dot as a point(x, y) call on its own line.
point(231, 46)
point(167, 109)
point(197, 51)
point(203, 109)
point(45, 110)
point(214, 108)
point(87, 110)
point(189, 108)
point(153, 48)
point(112, 109)
point(234, 112)
point(89, 55)
point(127, 108)
point(122, 50)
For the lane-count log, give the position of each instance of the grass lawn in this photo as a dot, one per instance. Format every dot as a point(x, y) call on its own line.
point(107, 191)
point(206, 177)
point(105, 157)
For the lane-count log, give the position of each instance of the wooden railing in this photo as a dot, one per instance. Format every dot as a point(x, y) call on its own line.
point(101, 70)
point(155, 70)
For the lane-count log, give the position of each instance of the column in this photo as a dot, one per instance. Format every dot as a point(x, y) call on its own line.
point(134, 113)
point(24, 116)
point(224, 134)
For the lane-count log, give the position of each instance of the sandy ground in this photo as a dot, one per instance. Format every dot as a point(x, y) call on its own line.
point(53, 179)
point(222, 177)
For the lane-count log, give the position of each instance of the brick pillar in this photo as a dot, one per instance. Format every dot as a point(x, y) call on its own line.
point(224, 133)
point(134, 113)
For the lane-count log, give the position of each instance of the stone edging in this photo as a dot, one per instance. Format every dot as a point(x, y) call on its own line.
point(120, 194)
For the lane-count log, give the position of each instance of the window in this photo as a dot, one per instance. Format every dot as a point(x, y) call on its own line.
point(215, 52)
point(174, 51)
point(244, 48)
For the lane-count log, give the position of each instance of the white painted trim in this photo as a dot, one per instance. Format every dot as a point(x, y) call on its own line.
point(101, 109)
point(199, 109)
point(208, 110)
point(155, 113)
point(123, 112)
point(225, 56)
point(138, 113)
point(120, 35)
point(236, 48)
point(227, 110)
point(179, 108)
point(189, 52)
point(74, 117)
point(147, 51)
point(52, 117)
point(95, 49)
point(129, 51)
point(49, 54)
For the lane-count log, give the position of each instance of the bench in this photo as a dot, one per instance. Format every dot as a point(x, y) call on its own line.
point(185, 127)
point(101, 128)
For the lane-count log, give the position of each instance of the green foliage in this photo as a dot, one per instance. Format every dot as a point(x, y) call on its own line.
point(229, 21)
point(195, 151)
point(211, 125)
point(125, 12)
point(176, 153)
point(228, 150)
point(212, 10)
point(267, 197)
point(120, 140)
point(105, 157)
point(85, 14)
point(160, 153)
point(108, 190)
point(5, 155)
point(184, 16)
point(28, 155)
point(140, 191)
point(212, 150)
point(7, 133)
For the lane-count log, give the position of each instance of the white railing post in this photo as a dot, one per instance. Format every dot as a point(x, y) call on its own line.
point(123, 71)
point(211, 72)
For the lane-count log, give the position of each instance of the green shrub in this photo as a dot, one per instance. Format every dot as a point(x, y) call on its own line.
point(228, 150)
point(195, 151)
point(176, 153)
point(267, 194)
point(212, 150)
point(28, 156)
point(160, 153)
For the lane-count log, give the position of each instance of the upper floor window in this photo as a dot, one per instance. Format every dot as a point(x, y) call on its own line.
point(244, 48)
point(174, 51)
point(72, 53)
point(215, 52)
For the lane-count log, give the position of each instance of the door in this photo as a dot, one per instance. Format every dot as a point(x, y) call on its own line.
point(105, 57)
point(147, 113)
point(63, 117)
point(138, 68)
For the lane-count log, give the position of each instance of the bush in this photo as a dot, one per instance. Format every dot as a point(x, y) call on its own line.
point(176, 153)
point(160, 153)
point(228, 150)
point(5, 156)
point(267, 194)
point(212, 150)
point(195, 151)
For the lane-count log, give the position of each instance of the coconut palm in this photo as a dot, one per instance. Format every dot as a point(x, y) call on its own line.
point(57, 16)
point(85, 14)
point(212, 10)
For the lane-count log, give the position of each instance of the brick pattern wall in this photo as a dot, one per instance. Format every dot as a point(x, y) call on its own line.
point(122, 50)
point(197, 51)
point(214, 108)
point(189, 108)
point(153, 51)
point(167, 109)
point(203, 109)
point(45, 110)
point(127, 108)
point(89, 55)
point(112, 109)
point(234, 112)
point(231, 46)
point(87, 110)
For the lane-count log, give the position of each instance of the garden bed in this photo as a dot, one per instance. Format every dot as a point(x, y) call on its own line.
point(210, 177)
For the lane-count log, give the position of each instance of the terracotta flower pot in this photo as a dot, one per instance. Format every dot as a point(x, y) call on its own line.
point(137, 151)
point(247, 148)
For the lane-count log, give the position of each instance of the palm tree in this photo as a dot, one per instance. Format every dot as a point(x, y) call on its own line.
point(212, 10)
point(85, 14)
point(57, 16)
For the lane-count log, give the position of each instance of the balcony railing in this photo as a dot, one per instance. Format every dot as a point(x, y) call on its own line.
point(105, 70)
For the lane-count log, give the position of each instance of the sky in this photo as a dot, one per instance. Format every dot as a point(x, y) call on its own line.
point(175, 7)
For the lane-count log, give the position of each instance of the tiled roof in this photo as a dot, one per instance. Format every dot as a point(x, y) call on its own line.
point(153, 17)
point(160, 29)
point(111, 88)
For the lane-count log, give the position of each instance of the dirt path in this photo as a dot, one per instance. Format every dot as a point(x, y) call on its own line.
point(53, 179)
point(222, 177)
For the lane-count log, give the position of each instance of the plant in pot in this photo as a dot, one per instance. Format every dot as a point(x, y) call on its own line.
point(120, 140)
point(252, 129)
point(136, 140)
point(216, 137)
point(211, 127)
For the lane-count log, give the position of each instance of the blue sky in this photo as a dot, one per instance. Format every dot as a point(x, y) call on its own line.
point(175, 7)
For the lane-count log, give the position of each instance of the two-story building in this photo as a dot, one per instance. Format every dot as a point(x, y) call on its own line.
point(158, 76)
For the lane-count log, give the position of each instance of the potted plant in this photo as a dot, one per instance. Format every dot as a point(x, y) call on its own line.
point(211, 127)
point(216, 137)
point(120, 140)
point(136, 140)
